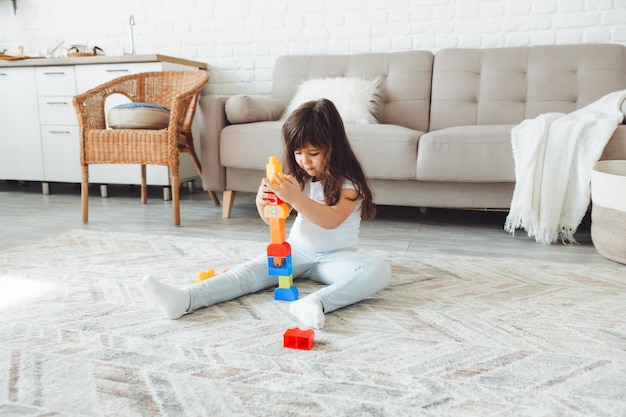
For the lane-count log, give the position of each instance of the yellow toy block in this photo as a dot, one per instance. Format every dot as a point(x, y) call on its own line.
point(273, 167)
point(204, 275)
point(285, 282)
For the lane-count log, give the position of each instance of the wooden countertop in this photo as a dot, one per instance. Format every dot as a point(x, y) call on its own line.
point(100, 59)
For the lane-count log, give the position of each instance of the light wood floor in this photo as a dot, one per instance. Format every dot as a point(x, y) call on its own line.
point(26, 215)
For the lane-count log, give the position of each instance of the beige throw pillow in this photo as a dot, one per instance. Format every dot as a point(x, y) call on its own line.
point(242, 108)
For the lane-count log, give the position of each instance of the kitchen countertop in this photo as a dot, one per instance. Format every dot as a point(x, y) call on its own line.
point(100, 59)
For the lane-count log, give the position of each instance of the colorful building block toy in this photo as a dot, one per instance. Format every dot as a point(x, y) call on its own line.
point(295, 338)
point(279, 251)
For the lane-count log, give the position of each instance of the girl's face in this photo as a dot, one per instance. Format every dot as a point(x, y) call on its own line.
point(310, 159)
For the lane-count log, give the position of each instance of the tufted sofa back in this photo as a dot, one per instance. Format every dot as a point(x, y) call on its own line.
point(507, 85)
point(405, 87)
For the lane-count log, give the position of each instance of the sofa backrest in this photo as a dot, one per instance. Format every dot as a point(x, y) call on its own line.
point(405, 86)
point(507, 85)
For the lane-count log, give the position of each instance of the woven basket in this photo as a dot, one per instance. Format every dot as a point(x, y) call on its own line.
point(75, 53)
point(608, 213)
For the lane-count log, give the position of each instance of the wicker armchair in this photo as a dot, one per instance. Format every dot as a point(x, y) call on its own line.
point(177, 90)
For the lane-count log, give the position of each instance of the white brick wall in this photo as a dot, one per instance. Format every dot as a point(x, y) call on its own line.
point(240, 39)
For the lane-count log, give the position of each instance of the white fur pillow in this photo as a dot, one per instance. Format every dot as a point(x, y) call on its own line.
point(357, 99)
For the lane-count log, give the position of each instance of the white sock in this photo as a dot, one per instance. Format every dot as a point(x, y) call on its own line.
point(173, 302)
point(309, 311)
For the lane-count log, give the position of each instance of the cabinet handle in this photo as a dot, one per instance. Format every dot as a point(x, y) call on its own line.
point(54, 73)
point(60, 132)
point(55, 103)
point(3, 74)
point(117, 70)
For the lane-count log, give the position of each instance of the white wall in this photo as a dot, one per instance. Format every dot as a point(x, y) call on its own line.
point(240, 39)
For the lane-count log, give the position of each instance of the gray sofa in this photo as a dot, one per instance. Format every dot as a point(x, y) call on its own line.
point(443, 137)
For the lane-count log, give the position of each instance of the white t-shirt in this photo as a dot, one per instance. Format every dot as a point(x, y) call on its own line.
point(315, 238)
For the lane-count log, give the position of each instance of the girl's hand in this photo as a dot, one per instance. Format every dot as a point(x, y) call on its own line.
point(264, 195)
point(287, 188)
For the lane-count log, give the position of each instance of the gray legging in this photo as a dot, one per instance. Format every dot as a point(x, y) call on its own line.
point(350, 277)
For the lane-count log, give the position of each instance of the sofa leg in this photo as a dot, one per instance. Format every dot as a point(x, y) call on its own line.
point(423, 210)
point(213, 196)
point(229, 200)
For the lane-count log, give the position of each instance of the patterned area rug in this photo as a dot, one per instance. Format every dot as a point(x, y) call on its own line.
point(451, 336)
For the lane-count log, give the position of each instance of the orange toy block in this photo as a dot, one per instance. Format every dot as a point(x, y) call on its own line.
point(277, 230)
point(295, 338)
point(276, 211)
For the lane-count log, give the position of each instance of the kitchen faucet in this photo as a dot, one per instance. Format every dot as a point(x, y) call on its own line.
point(131, 23)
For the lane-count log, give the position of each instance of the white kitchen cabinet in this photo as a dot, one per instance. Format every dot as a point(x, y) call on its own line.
point(60, 150)
point(20, 141)
point(56, 86)
point(55, 81)
point(39, 141)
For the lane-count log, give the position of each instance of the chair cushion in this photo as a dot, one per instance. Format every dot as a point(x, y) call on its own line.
point(138, 116)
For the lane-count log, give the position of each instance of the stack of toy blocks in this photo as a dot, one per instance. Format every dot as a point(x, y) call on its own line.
point(279, 251)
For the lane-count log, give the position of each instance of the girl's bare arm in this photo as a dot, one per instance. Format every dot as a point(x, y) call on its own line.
point(327, 217)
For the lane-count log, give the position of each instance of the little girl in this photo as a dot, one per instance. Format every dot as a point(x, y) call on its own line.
point(328, 189)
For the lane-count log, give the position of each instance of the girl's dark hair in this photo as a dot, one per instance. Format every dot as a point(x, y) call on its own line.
point(318, 123)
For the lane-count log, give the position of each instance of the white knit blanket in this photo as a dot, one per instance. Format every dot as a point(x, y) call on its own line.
point(554, 154)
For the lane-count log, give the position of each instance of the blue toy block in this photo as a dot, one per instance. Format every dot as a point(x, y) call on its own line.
point(286, 294)
point(279, 265)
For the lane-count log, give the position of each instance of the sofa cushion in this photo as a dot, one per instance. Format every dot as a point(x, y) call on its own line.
point(489, 86)
point(357, 99)
point(249, 145)
point(467, 154)
point(242, 108)
point(385, 151)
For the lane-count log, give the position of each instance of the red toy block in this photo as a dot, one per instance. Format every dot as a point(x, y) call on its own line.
point(275, 200)
point(279, 249)
point(295, 338)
